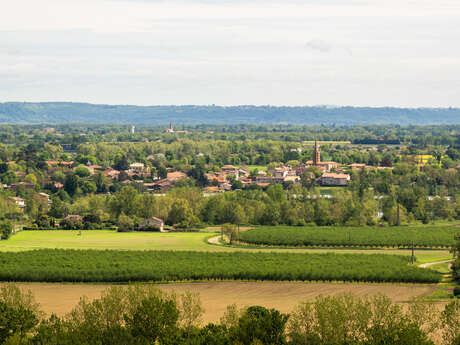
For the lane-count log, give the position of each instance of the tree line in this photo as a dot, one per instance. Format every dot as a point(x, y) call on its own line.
point(144, 315)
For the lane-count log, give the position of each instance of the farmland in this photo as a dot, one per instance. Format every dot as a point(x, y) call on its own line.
point(104, 239)
point(60, 298)
point(57, 265)
point(398, 237)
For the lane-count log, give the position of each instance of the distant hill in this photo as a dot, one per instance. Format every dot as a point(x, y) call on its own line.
point(67, 112)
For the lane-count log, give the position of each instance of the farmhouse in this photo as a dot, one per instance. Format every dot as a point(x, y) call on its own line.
point(136, 167)
point(152, 223)
point(334, 179)
point(74, 218)
point(19, 201)
point(176, 175)
point(231, 171)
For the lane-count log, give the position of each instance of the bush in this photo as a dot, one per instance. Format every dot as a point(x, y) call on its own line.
point(6, 229)
point(457, 291)
point(125, 223)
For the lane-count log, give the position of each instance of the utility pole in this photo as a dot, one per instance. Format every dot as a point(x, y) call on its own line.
point(412, 259)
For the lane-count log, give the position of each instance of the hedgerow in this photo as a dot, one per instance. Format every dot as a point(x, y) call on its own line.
point(426, 237)
point(57, 265)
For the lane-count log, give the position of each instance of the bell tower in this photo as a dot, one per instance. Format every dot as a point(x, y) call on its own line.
point(316, 155)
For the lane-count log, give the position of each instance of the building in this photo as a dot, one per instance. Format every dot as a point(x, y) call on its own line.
point(357, 166)
point(231, 170)
point(136, 167)
point(26, 185)
point(317, 163)
point(170, 129)
point(176, 175)
point(111, 173)
point(152, 224)
point(18, 201)
point(334, 179)
point(132, 129)
point(316, 155)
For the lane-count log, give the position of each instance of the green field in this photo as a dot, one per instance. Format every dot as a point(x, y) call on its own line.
point(106, 239)
point(397, 237)
point(60, 265)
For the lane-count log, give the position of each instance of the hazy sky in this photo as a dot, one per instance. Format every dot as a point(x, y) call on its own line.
point(229, 52)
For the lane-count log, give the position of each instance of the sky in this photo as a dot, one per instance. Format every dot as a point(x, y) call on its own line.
point(403, 53)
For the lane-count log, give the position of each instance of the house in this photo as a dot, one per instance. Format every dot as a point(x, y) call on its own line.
point(231, 170)
point(19, 201)
point(26, 185)
point(152, 224)
point(334, 179)
point(93, 167)
point(59, 163)
point(136, 167)
point(175, 175)
point(356, 166)
point(280, 172)
point(292, 179)
point(210, 190)
point(111, 173)
point(269, 179)
point(323, 166)
point(58, 185)
point(45, 197)
point(161, 185)
point(244, 171)
point(74, 218)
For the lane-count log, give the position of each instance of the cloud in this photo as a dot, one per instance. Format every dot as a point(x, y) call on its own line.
point(231, 51)
point(318, 45)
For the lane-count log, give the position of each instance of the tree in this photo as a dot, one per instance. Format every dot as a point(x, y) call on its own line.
point(125, 223)
point(6, 229)
point(260, 324)
point(230, 231)
point(31, 178)
point(121, 163)
point(19, 312)
point(155, 319)
point(450, 320)
point(82, 171)
point(125, 201)
point(71, 184)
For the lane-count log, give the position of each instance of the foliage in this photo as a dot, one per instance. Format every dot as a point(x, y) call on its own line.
point(347, 319)
point(422, 236)
point(260, 324)
point(450, 319)
point(125, 223)
point(48, 265)
point(6, 229)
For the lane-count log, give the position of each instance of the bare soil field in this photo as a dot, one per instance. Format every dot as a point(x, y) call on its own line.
point(216, 296)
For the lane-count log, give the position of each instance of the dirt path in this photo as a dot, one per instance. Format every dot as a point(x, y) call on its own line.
point(214, 240)
point(428, 264)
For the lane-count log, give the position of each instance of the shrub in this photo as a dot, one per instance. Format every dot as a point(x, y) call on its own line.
point(457, 291)
point(6, 229)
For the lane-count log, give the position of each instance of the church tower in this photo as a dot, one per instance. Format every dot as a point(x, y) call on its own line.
point(316, 155)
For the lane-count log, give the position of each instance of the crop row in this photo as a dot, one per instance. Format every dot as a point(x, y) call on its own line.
point(56, 265)
point(427, 237)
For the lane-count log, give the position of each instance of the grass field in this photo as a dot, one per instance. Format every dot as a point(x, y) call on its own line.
point(216, 296)
point(105, 239)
